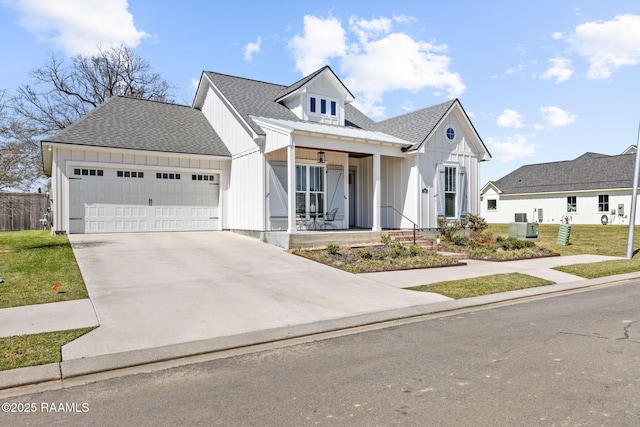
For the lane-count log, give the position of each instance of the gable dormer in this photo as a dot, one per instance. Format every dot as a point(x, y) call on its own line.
point(319, 97)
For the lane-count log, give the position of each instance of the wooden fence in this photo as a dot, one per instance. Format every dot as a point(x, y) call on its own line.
point(22, 211)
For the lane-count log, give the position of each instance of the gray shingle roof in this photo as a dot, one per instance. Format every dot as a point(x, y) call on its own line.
point(257, 98)
point(134, 123)
point(591, 171)
point(415, 126)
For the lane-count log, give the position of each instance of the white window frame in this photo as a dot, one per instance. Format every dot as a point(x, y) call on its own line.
point(308, 192)
point(451, 173)
point(328, 100)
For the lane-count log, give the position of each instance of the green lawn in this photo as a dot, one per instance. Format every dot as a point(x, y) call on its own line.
point(608, 240)
point(32, 263)
point(486, 285)
point(36, 349)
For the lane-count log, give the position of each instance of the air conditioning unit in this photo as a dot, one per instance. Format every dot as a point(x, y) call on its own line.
point(521, 217)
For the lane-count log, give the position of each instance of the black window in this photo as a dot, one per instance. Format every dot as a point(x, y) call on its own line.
point(85, 171)
point(100, 172)
point(140, 174)
point(177, 176)
point(603, 203)
point(323, 106)
point(572, 204)
point(76, 171)
point(492, 204)
point(312, 107)
point(120, 174)
point(333, 108)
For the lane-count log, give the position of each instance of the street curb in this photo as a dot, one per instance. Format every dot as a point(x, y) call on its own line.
point(92, 365)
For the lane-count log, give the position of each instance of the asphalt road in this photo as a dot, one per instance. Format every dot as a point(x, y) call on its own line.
point(560, 361)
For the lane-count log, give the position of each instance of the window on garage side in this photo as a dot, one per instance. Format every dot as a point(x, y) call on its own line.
point(88, 172)
point(572, 204)
point(492, 204)
point(603, 203)
point(129, 174)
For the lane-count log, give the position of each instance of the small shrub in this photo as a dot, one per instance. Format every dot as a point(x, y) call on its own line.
point(512, 243)
point(459, 240)
point(448, 229)
point(415, 250)
point(476, 223)
point(333, 249)
point(364, 254)
point(386, 240)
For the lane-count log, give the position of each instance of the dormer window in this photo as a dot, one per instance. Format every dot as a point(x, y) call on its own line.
point(328, 107)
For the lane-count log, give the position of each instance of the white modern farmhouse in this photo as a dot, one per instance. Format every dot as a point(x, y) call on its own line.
point(258, 157)
point(591, 189)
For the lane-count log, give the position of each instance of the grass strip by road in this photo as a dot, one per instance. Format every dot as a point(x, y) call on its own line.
point(37, 349)
point(602, 268)
point(38, 268)
point(486, 285)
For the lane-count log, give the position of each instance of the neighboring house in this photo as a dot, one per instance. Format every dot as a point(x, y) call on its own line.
point(591, 189)
point(256, 156)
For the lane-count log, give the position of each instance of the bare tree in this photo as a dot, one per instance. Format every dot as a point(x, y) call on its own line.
point(63, 92)
point(20, 163)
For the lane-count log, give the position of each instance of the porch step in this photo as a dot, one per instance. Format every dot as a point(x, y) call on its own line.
point(406, 238)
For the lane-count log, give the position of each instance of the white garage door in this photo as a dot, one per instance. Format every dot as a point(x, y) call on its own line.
point(125, 200)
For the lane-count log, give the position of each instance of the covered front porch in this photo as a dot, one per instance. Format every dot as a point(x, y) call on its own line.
point(335, 174)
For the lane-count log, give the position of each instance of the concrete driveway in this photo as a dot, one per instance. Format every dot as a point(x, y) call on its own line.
point(159, 289)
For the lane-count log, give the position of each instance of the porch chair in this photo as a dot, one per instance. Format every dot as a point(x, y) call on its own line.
point(329, 217)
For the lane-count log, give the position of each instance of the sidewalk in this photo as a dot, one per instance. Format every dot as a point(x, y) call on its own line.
point(77, 314)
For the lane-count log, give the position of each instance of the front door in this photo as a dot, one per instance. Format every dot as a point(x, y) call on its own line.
point(352, 198)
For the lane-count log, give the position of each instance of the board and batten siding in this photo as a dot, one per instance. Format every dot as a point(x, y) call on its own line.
point(438, 150)
point(398, 189)
point(246, 210)
point(218, 112)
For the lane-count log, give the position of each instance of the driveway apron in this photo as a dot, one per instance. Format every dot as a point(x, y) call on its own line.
point(156, 289)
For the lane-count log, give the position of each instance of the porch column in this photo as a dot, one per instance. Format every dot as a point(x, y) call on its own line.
point(376, 193)
point(291, 187)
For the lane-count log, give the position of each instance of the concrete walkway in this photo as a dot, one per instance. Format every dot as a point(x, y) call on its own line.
point(541, 267)
point(57, 316)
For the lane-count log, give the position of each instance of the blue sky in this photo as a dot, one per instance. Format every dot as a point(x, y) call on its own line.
point(542, 80)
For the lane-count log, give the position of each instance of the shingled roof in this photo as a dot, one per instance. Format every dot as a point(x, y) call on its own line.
point(591, 171)
point(256, 98)
point(415, 126)
point(134, 123)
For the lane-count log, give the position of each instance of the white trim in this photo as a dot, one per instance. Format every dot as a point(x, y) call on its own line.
point(70, 163)
point(134, 151)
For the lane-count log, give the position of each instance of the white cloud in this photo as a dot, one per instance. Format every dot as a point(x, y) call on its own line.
point(79, 26)
point(608, 45)
point(252, 48)
point(323, 39)
point(556, 116)
point(510, 148)
point(379, 61)
point(510, 119)
point(561, 70)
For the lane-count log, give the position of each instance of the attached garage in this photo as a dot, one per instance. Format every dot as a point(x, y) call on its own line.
point(118, 200)
point(159, 167)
